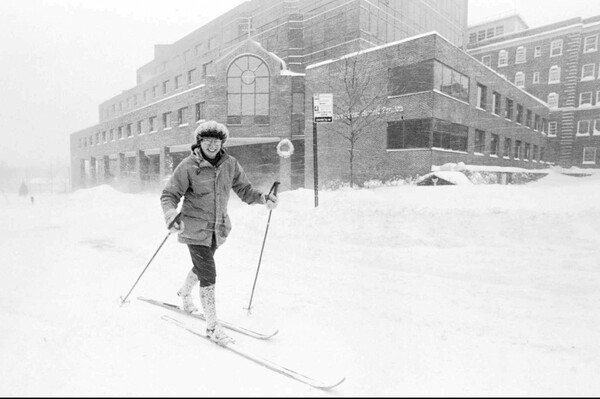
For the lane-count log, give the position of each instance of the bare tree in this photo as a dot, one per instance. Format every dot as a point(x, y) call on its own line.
point(360, 93)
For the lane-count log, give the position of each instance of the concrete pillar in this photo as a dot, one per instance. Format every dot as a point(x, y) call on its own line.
point(164, 168)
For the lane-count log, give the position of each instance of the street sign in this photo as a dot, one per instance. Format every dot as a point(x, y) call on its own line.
point(323, 107)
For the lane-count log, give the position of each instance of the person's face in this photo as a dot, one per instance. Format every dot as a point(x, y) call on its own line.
point(211, 147)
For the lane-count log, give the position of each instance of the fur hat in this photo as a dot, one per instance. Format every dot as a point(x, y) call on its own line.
point(210, 129)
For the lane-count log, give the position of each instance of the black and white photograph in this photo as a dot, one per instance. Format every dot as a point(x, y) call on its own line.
point(300, 198)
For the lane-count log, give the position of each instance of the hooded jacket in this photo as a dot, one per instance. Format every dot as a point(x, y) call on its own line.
point(206, 190)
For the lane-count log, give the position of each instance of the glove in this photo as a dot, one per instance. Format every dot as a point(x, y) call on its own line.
point(170, 215)
point(271, 201)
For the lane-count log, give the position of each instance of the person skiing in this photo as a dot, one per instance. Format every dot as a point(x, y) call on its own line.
point(205, 179)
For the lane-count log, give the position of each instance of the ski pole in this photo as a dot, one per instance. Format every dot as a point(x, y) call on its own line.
point(176, 220)
point(274, 191)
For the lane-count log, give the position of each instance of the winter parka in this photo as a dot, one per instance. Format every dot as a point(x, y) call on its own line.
point(206, 190)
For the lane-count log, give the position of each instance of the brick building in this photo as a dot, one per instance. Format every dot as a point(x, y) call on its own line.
point(558, 63)
point(245, 68)
point(430, 103)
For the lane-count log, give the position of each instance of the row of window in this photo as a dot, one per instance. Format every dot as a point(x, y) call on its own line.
point(178, 82)
point(149, 125)
point(590, 44)
point(440, 134)
point(584, 126)
point(514, 112)
point(588, 73)
point(486, 34)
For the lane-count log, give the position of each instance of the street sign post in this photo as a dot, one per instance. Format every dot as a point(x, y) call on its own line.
point(322, 113)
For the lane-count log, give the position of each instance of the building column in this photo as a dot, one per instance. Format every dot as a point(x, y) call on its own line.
point(285, 174)
point(164, 167)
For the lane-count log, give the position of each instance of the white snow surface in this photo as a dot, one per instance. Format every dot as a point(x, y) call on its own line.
point(466, 290)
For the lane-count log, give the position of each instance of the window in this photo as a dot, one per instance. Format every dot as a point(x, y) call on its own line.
point(473, 38)
point(519, 113)
point(496, 103)
point(529, 118)
point(165, 86)
point(129, 130)
point(588, 72)
point(178, 80)
point(589, 155)
point(552, 129)
point(537, 122)
point(553, 100)
point(521, 55)
point(450, 136)
point(481, 96)
point(535, 153)
point(541, 154)
point(198, 49)
point(598, 97)
point(585, 98)
point(536, 77)
point(487, 60)
point(191, 76)
point(508, 112)
point(502, 58)
point(451, 82)
point(182, 116)
point(112, 135)
point(200, 111)
point(590, 43)
point(415, 133)
point(583, 128)
point(596, 127)
point(507, 147)
point(554, 74)
point(120, 132)
point(479, 147)
point(544, 125)
point(520, 79)
point(527, 154)
point(104, 136)
point(248, 90)
point(494, 144)
point(499, 30)
point(152, 124)
point(556, 48)
point(206, 69)
point(412, 133)
point(154, 91)
point(139, 127)
point(489, 33)
point(517, 151)
point(413, 78)
point(537, 51)
point(166, 120)
point(481, 35)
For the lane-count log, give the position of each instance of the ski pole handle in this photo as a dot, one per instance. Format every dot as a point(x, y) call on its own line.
point(176, 220)
point(274, 188)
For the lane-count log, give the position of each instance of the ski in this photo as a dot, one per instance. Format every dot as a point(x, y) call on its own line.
point(200, 316)
point(235, 348)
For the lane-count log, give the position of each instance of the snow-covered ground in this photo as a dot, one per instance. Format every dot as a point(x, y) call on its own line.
point(426, 291)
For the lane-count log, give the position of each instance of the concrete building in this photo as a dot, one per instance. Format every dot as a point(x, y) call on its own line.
point(558, 63)
point(245, 68)
point(429, 103)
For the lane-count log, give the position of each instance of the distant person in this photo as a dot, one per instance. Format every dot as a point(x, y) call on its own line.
point(23, 190)
point(205, 179)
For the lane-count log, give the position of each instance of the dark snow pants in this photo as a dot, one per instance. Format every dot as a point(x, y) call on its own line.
point(204, 263)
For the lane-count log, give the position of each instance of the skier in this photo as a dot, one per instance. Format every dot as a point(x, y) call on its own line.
point(205, 179)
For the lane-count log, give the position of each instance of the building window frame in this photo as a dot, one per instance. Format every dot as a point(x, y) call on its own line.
point(520, 79)
point(592, 45)
point(583, 128)
point(553, 100)
point(521, 55)
point(588, 72)
point(552, 129)
point(589, 156)
point(502, 58)
point(556, 48)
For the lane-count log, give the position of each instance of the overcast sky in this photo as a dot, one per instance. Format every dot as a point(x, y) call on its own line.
point(59, 59)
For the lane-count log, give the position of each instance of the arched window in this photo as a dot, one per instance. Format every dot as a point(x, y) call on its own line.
point(503, 58)
point(520, 79)
point(248, 91)
point(520, 55)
